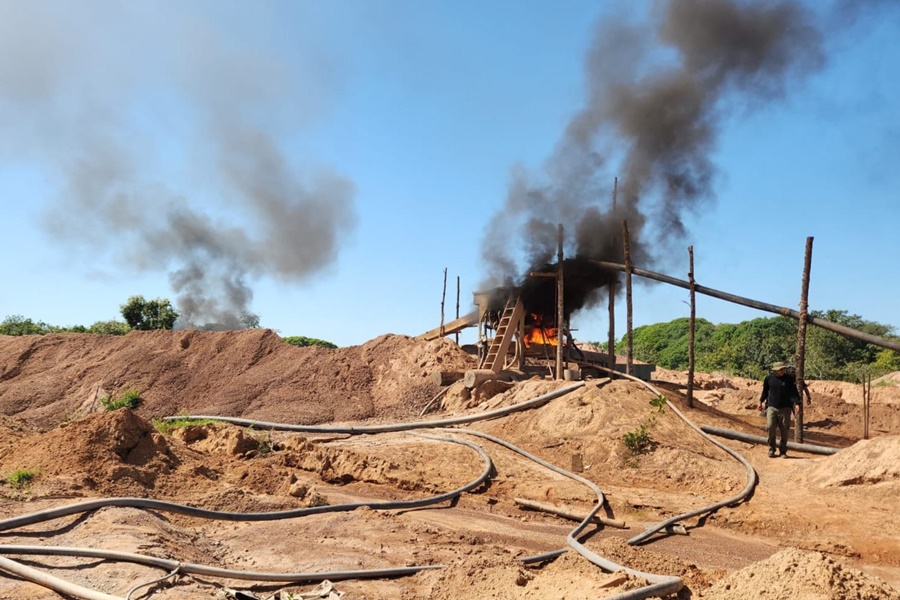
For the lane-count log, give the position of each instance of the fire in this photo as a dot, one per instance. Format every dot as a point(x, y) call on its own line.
point(539, 334)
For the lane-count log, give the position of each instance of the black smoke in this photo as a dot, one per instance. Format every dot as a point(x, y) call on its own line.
point(657, 92)
point(162, 128)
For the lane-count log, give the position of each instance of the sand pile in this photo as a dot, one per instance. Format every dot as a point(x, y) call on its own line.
point(872, 461)
point(48, 380)
point(793, 574)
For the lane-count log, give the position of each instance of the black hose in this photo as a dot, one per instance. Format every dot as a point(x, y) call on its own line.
point(172, 507)
point(661, 585)
point(360, 429)
point(195, 569)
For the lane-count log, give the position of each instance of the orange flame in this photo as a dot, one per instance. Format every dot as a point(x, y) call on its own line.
point(537, 336)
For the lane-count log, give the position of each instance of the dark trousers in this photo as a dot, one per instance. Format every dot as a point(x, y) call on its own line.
point(778, 418)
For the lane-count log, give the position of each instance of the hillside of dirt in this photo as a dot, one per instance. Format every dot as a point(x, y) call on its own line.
point(812, 526)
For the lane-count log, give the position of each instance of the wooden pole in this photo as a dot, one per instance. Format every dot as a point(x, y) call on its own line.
point(457, 306)
point(690, 389)
point(566, 513)
point(779, 310)
point(615, 191)
point(867, 396)
point(629, 339)
point(800, 364)
point(443, 298)
point(611, 344)
point(560, 310)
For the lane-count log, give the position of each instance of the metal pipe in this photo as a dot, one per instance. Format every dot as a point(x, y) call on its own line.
point(758, 439)
point(786, 312)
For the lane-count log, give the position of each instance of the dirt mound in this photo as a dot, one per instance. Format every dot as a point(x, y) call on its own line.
point(797, 575)
point(47, 380)
point(51, 387)
point(116, 453)
point(875, 461)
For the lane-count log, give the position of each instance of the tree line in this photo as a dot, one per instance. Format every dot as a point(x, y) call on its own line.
point(747, 349)
point(142, 315)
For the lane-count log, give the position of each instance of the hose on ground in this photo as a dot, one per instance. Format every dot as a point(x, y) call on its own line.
point(172, 507)
point(751, 472)
point(169, 575)
point(758, 439)
point(85, 594)
point(660, 584)
point(361, 429)
point(196, 569)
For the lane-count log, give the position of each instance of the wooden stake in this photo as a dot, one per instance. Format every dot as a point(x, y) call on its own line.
point(565, 513)
point(690, 389)
point(457, 306)
point(801, 339)
point(560, 310)
point(867, 397)
point(443, 298)
point(628, 308)
point(611, 345)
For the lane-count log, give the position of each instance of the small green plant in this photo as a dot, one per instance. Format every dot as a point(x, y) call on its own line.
point(638, 441)
point(21, 478)
point(128, 399)
point(164, 426)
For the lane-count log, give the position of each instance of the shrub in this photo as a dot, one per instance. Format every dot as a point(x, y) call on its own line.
point(128, 399)
point(21, 478)
point(164, 426)
point(302, 341)
point(639, 440)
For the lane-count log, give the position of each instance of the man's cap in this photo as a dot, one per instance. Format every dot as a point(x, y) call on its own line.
point(779, 365)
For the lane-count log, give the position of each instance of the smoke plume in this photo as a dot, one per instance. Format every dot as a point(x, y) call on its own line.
point(657, 92)
point(127, 105)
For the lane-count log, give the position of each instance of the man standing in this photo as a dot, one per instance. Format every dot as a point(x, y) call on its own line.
point(780, 398)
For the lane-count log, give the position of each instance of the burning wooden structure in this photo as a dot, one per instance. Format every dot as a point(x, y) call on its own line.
point(526, 328)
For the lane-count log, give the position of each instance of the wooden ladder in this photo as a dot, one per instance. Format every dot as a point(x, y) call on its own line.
point(506, 331)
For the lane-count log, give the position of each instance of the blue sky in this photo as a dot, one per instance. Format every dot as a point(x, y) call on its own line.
point(321, 163)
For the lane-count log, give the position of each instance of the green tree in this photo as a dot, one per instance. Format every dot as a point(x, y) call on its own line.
point(112, 327)
point(299, 340)
point(832, 356)
point(666, 344)
point(149, 314)
point(19, 325)
point(747, 349)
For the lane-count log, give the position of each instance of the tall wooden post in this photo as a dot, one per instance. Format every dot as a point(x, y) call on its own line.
point(801, 339)
point(457, 306)
point(443, 298)
point(693, 284)
point(867, 397)
point(615, 192)
point(629, 340)
point(611, 344)
point(560, 311)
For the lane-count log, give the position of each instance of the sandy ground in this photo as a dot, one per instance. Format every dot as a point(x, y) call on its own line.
point(815, 526)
